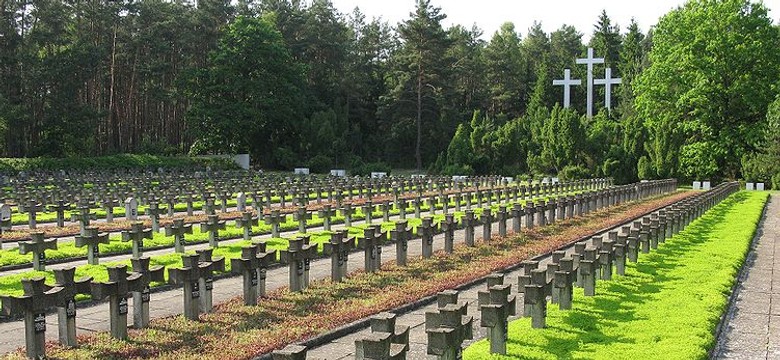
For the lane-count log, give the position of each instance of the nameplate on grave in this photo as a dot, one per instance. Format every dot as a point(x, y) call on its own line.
point(122, 306)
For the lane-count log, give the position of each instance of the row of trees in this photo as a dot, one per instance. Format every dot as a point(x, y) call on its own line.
point(298, 83)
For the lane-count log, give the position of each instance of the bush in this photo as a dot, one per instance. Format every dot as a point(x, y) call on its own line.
point(320, 164)
point(114, 162)
point(360, 168)
point(572, 172)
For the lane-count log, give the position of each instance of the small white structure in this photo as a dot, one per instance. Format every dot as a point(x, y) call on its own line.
point(338, 173)
point(5, 212)
point(750, 186)
point(242, 160)
point(301, 171)
point(546, 180)
point(760, 186)
point(556, 180)
point(378, 175)
point(131, 209)
point(706, 185)
point(508, 180)
point(241, 202)
point(459, 178)
point(418, 176)
point(697, 185)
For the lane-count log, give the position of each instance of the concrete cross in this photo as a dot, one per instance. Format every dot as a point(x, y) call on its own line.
point(401, 236)
point(426, 233)
point(468, 221)
point(137, 234)
point(60, 208)
point(33, 304)
point(177, 229)
point(298, 256)
point(448, 227)
point(37, 246)
point(608, 81)
point(189, 276)
point(326, 213)
point(141, 298)
point(247, 220)
point(247, 266)
point(66, 304)
point(371, 243)
point(213, 225)
point(301, 215)
point(338, 248)
point(91, 238)
point(590, 61)
point(119, 286)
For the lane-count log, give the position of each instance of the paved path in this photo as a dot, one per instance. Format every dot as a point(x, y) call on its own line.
point(752, 330)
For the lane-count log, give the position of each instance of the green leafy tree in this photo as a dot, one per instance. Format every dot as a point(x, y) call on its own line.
point(506, 73)
point(251, 93)
point(714, 66)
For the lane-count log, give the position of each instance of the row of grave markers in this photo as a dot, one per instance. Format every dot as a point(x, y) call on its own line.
point(159, 205)
point(196, 276)
point(90, 237)
point(600, 259)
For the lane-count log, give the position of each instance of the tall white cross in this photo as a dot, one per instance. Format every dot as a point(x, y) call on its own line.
point(590, 61)
point(608, 81)
point(567, 82)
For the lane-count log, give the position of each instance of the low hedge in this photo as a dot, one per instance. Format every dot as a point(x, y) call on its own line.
point(113, 162)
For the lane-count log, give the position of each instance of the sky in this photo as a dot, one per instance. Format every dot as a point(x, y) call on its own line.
point(490, 14)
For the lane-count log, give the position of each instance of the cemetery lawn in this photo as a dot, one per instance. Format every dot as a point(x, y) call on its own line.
point(234, 331)
point(666, 307)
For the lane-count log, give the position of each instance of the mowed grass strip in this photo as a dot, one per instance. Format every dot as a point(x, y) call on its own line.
point(666, 307)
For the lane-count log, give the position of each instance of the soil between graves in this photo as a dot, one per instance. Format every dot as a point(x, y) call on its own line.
point(235, 331)
point(666, 307)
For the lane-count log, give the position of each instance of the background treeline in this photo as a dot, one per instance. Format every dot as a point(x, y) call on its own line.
point(298, 83)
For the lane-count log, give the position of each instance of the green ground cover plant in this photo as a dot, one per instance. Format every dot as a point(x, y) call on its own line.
point(666, 307)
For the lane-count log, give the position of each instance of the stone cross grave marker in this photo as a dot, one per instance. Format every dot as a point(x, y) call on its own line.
point(178, 229)
point(37, 245)
point(247, 221)
point(189, 276)
point(137, 234)
point(401, 236)
point(141, 298)
point(118, 288)
point(213, 225)
point(92, 238)
point(33, 304)
point(66, 304)
point(338, 248)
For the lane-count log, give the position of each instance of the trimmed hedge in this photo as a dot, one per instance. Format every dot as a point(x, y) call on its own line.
point(114, 162)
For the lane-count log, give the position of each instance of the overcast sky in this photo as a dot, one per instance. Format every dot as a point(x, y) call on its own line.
point(490, 14)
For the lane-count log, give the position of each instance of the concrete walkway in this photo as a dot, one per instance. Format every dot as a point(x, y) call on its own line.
point(752, 330)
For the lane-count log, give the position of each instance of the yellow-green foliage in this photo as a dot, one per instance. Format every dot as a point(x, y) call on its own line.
point(666, 307)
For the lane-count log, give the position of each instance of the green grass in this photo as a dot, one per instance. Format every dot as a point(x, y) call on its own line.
point(666, 307)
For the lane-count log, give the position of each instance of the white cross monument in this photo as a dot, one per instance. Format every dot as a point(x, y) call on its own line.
point(567, 82)
point(608, 81)
point(590, 61)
